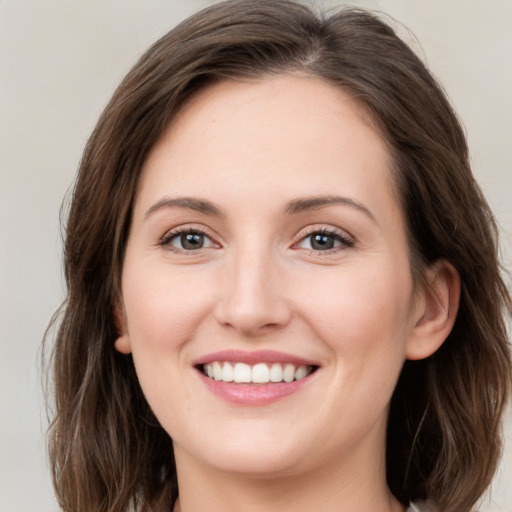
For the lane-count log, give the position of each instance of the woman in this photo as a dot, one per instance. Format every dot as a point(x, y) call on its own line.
point(283, 285)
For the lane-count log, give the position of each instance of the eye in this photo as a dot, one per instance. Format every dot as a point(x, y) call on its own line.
point(325, 240)
point(187, 240)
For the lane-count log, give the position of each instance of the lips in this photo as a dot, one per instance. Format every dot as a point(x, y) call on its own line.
point(254, 378)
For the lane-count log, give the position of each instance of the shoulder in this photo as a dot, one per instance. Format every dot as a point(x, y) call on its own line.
point(421, 506)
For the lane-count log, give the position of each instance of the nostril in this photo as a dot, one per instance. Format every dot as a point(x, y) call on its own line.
point(253, 319)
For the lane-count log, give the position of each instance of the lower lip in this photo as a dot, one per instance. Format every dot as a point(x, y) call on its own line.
point(253, 394)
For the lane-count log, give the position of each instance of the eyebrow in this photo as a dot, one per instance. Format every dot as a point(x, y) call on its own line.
point(293, 207)
point(186, 203)
point(314, 203)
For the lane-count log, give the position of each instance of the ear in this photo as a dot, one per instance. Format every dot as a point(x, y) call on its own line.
point(435, 312)
point(122, 343)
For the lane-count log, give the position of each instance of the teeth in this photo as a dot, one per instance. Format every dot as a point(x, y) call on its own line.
point(228, 374)
point(289, 373)
point(217, 370)
point(301, 372)
point(276, 373)
point(241, 373)
point(260, 373)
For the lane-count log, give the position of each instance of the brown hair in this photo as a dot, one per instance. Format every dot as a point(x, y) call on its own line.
point(108, 452)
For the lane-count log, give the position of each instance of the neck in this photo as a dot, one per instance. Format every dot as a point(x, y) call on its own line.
point(334, 487)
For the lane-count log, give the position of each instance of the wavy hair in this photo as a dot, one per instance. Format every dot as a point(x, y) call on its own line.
point(107, 450)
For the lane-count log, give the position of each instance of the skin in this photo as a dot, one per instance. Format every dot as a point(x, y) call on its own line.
point(251, 149)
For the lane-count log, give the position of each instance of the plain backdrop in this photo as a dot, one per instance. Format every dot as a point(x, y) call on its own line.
point(60, 61)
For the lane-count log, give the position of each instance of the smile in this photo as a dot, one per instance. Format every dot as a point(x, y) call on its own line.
point(255, 378)
point(259, 373)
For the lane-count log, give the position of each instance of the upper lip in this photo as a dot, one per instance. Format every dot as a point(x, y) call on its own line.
point(253, 357)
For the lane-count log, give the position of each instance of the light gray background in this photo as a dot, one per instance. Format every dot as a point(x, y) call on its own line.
point(59, 63)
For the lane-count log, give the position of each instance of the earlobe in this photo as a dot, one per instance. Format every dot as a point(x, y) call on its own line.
point(122, 343)
point(436, 312)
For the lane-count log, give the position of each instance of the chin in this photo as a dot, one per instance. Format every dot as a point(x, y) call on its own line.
point(257, 456)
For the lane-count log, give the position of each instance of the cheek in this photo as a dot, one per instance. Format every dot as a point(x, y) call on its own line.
point(163, 306)
point(164, 312)
point(366, 325)
point(361, 312)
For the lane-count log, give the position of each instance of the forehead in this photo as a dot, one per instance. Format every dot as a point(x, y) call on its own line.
point(282, 134)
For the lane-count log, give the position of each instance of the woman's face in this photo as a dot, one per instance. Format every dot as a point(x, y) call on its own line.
point(267, 247)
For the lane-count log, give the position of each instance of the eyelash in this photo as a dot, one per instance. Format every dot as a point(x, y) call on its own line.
point(344, 240)
point(168, 238)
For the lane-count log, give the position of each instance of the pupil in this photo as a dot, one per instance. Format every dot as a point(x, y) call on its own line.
point(192, 241)
point(322, 242)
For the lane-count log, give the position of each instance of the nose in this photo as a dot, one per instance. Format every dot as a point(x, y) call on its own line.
point(253, 300)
